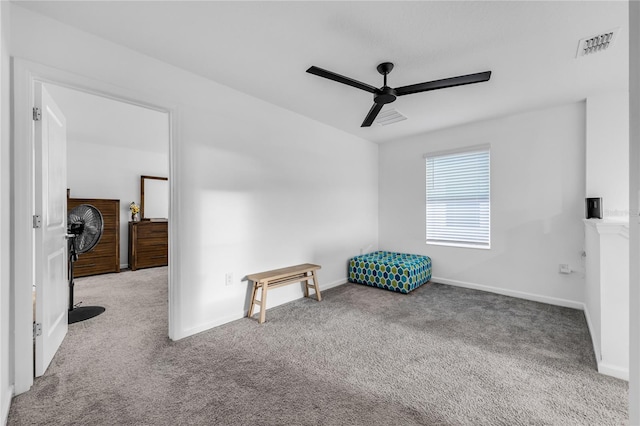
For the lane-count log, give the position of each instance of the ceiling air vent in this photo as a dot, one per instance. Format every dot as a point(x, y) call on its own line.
point(597, 43)
point(389, 116)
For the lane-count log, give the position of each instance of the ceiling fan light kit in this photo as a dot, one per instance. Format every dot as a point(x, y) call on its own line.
point(386, 95)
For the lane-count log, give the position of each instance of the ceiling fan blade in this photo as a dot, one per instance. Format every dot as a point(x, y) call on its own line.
point(373, 113)
point(341, 79)
point(444, 83)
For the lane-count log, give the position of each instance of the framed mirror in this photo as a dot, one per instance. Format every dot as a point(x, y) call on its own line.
point(154, 197)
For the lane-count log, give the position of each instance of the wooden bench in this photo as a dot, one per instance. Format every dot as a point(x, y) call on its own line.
point(267, 280)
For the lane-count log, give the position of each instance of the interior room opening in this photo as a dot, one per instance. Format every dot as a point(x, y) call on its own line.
point(117, 164)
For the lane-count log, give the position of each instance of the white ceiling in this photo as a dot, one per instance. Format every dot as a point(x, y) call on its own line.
point(99, 120)
point(264, 48)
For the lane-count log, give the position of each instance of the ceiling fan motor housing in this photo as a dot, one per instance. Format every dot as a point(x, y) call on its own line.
point(385, 96)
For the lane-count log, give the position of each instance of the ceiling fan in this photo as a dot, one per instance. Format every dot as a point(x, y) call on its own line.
point(386, 94)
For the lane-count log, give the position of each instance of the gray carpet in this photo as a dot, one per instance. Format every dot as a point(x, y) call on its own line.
point(363, 356)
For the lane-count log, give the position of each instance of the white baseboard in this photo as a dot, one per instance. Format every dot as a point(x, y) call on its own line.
point(327, 286)
point(603, 367)
point(239, 315)
point(613, 371)
point(209, 325)
point(513, 293)
point(124, 266)
point(596, 350)
point(6, 404)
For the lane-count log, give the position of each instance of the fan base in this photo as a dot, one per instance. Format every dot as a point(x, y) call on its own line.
point(84, 313)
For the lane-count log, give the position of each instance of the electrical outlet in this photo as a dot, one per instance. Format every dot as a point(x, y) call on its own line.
point(565, 268)
point(228, 278)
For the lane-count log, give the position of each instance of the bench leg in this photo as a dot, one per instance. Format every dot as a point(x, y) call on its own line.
point(263, 303)
point(306, 285)
point(253, 300)
point(315, 285)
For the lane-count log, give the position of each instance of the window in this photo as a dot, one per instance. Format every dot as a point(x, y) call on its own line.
point(458, 198)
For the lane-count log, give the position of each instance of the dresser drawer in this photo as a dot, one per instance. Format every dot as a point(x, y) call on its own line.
point(152, 261)
point(93, 265)
point(152, 251)
point(153, 230)
point(103, 248)
point(151, 243)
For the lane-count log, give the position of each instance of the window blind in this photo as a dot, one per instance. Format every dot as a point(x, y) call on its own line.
point(458, 199)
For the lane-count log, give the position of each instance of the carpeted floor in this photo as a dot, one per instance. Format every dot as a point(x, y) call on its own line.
point(363, 356)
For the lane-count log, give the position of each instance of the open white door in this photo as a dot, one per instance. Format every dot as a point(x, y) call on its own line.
point(52, 290)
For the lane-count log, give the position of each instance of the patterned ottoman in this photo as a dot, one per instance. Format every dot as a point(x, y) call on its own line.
point(392, 271)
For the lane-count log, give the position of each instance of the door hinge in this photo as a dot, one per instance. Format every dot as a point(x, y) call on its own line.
point(36, 114)
point(37, 221)
point(37, 329)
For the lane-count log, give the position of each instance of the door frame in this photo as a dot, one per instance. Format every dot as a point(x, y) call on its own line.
point(25, 74)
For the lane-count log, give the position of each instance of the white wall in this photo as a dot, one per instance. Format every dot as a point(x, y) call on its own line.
point(537, 203)
point(634, 201)
point(115, 175)
point(6, 378)
point(260, 187)
point(607, 168)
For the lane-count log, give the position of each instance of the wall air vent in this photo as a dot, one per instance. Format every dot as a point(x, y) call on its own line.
point(389, 116)
point(596, 43)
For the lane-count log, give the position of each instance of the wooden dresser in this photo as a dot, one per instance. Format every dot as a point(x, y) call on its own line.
point(105, 257)
point(148, 244)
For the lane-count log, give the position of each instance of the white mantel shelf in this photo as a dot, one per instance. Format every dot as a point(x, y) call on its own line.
point(610, 226)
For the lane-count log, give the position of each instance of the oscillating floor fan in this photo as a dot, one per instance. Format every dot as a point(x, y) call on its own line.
point(84, 229)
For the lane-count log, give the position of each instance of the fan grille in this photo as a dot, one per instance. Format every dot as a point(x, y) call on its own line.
point(91, 224)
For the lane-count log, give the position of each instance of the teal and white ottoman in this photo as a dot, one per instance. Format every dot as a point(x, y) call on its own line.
point(399, 272)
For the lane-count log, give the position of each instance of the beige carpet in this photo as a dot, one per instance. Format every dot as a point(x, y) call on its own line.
point(363, 356)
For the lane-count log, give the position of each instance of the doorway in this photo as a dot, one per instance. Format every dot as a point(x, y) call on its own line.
point(26, 75)
point(110, 146)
